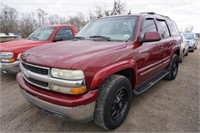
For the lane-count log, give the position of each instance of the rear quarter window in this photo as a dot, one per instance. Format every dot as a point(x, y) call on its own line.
point(173, 28)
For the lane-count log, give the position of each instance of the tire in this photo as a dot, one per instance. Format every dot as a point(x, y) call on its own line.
point(173, 68)
point(187, 53)
point(181, 59)
point(108, 103)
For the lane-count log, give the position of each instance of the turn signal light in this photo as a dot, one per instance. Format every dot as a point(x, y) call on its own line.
point(76, 91)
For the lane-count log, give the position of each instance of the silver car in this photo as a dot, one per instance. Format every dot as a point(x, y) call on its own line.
point(191, 37)
point(184, 48)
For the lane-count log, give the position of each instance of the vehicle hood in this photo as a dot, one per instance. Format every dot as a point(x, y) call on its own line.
point(68, 53)
point(11, 46)
point(192, 41)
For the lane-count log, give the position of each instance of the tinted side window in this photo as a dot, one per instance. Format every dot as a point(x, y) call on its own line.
point(162, 26)
point(148, 26)
point(64, 34)
point(174, 29)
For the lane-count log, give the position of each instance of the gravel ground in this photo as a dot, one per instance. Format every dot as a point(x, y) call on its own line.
point(169, 106)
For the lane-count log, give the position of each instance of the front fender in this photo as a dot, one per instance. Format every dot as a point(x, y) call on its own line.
point(101, 75)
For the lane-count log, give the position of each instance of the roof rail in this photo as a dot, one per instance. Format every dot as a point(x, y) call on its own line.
point(153, 13)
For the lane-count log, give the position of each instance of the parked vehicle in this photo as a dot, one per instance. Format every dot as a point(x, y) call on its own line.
point(198, 35)
point(6, 38)
point(94, 76)
point(191, 37)
point(18, 35)
point(11, 51)
point(184, 48)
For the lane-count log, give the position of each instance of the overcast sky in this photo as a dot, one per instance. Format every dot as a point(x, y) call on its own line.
point(183, 12)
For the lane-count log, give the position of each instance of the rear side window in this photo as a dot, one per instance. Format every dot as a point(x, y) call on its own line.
point(64, 34)
point(148, 26)
point(162, 26)
point(174, 29)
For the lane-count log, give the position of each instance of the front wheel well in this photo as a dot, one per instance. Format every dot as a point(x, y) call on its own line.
point(128, 73)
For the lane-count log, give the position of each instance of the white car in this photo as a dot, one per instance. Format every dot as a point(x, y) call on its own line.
point(184, 48)
point(191, 37)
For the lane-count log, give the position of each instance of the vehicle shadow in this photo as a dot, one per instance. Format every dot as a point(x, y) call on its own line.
point(7, 77)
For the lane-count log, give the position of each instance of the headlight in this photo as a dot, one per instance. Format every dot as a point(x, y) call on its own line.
point(6, 55)
point(191, 44)
point(67, 74)
point(8, 60)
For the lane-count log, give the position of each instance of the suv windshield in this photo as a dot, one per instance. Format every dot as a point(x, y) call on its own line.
point(189, 36)
point(111, 29)
point(42, 33)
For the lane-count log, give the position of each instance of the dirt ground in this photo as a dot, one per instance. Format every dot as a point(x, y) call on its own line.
point(169, 106)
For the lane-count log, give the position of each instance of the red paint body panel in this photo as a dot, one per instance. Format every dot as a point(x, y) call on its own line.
point(109, 70)
point(57, 98)
point(100, 59)
point(19, 46)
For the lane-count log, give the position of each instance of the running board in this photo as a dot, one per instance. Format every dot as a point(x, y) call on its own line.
point(142, 88)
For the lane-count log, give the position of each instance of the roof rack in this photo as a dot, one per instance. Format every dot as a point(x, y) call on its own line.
point(153, 13)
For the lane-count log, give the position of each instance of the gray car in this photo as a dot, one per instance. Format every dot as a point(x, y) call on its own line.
point(191, 37)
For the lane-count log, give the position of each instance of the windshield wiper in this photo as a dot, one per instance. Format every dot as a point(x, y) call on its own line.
point(79, 37)
point(103, 37)
point(34, 37)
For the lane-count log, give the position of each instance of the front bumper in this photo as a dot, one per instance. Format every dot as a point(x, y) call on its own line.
point(83, 113)
point(74, 108)
point(191, 48)
point(10, 67)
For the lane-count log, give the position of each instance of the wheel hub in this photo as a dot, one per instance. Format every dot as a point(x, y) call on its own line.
point(119, 104)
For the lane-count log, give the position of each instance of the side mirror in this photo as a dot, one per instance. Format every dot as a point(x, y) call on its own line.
point(151, 37)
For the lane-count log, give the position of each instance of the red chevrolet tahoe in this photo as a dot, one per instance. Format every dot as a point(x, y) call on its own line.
point(11, 51)
point(94, 76)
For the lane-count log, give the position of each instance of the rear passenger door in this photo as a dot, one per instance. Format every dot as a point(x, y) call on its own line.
point(166, 42)
point(150, 53)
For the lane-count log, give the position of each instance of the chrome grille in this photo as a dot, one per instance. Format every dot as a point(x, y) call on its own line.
point(35, 69)
point(40, 83)
point(39, 76)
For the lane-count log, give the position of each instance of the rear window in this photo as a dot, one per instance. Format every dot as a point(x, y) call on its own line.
point(64, 34)
point(162, 26)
